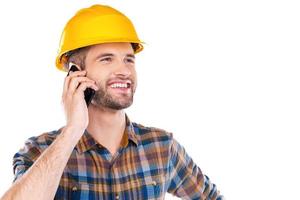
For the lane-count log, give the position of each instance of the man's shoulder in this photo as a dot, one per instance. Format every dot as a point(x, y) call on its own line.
point(149, 133)
point(43, 140)
point(34, 146)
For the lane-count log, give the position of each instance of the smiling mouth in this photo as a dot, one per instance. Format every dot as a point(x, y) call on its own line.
point(121, 85)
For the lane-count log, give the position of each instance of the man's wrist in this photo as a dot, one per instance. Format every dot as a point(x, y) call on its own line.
point(73, 131)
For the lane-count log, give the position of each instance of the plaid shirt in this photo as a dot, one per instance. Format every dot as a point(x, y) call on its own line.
point(149, 163)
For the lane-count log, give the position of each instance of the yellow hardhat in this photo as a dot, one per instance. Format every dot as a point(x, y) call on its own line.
point(95, 25)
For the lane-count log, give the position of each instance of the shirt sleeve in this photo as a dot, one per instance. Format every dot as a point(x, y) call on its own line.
point(186, 179)
point(25, 157)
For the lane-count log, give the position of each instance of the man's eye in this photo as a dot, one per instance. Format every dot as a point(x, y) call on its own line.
point(106, 59)
point(130, 60)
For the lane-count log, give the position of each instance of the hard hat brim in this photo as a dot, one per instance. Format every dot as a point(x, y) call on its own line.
point(61, 58)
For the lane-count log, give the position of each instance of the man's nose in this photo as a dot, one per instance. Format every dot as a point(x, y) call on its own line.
point(122, 69)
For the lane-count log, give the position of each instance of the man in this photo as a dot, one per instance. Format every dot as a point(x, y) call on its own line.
point(100, 153)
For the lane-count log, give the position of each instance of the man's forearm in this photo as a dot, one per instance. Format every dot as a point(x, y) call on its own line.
point(42, 179)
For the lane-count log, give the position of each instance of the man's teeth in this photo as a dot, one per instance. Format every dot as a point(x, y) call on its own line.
point(119, 85)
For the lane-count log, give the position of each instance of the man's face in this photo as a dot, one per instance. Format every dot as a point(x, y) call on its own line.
point(112, 66)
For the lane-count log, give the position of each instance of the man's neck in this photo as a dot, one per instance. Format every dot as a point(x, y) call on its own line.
point(106, 126)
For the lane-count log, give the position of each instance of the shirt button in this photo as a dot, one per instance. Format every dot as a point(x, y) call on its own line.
point(117, 196)
point(74, 188)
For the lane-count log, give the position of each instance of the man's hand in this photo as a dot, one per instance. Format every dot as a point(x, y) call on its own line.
point(42, 178)
point(75, 108)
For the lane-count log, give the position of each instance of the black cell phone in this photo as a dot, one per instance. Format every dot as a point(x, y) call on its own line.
point(89, 93)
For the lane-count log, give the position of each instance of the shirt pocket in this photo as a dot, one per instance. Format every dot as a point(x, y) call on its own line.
point(70, 188)
point(151, 188)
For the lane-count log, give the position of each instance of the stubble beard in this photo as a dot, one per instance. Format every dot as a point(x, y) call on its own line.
point(103, 98)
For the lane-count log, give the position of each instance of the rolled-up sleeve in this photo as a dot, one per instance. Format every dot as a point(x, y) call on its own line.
point(25, 157)
point(186, 180)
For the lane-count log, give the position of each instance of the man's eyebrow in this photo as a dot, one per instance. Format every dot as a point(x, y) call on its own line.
point(110, 54)
point(104, 55)
point(130, 55)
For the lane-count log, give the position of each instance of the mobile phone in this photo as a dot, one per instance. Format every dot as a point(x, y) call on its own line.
point(89, 93)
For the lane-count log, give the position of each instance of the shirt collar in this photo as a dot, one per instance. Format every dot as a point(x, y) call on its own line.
point(87, 142)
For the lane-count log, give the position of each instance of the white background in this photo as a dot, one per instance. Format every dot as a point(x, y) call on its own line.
point(223, 76)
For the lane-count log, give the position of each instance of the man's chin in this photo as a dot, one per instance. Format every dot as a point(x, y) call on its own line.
point(111, 100)
point(119, 106)
point(113, 105)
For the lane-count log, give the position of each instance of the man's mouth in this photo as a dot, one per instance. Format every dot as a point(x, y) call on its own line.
point(121, 86)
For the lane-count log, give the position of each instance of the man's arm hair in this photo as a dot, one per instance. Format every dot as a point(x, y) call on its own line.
point(41, 180)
